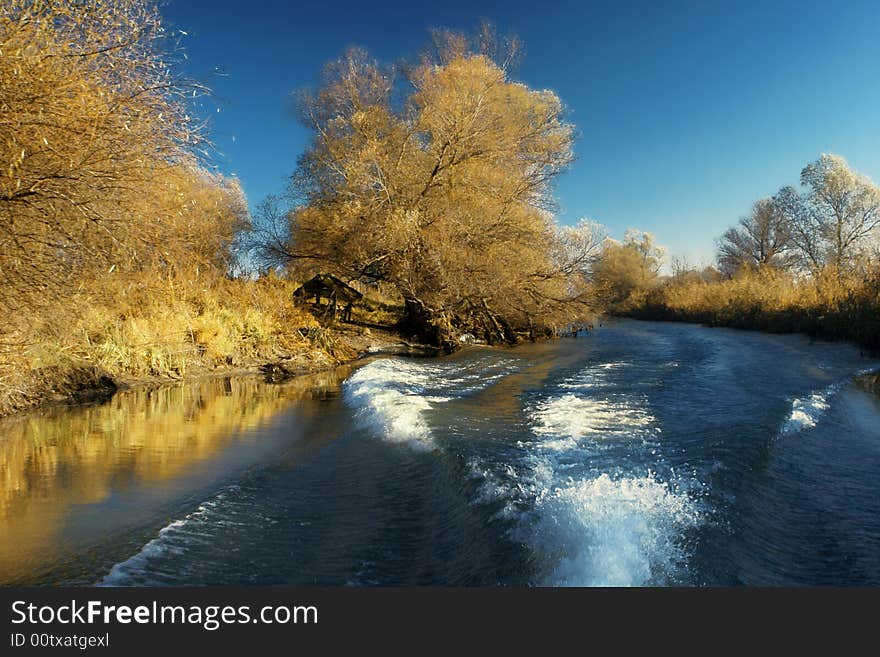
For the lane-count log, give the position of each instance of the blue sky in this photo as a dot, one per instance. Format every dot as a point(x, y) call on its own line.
point(686, 112)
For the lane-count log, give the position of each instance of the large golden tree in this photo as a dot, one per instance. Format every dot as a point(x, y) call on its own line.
point(436, 177)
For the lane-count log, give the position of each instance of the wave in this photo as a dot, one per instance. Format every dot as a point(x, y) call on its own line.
point(608, 531)
point(385, 405)
point(392, 396)
point(806, 411)
point(594, 517)
point(597, 528)
point(172, 540)
point(595, 376)
point(589, 408)
point(568, 418)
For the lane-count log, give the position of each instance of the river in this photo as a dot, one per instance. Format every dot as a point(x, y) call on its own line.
point(639, 454)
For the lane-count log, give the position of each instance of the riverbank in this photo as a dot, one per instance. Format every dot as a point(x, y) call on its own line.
point(140, 331)
point(767, 301)
point(83, 383)
point(834, 327)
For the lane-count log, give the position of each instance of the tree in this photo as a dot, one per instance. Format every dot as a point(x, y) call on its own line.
point(760, 239)
point(435, 177)
point(579, 247)
point(268, 242)
point(833, 222)
point(645, 245)
point(843, 207)
point(94, 131)
point(626, 267)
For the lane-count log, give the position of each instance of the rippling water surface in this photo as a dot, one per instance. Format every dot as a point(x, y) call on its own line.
point(641, 454)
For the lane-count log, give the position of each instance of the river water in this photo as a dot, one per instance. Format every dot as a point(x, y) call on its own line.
point(641, 454)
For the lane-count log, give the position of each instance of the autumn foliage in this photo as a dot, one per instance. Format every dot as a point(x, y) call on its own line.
point(435, 178)
point(802, 261)
point(115, 237)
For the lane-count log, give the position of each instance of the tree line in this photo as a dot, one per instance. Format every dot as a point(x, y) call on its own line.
point(100, 151)
point(830, 226)
point(123, 253)
point(806, 259)
point(122, 249)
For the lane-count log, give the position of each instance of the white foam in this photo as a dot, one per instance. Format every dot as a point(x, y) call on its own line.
point(568, 418)
point(392, 396)
point(397, 415)
point(805, 413)
point(594, 528)
point(122, 572)
point(592, 377)
point(170, 539)
point(613, 532)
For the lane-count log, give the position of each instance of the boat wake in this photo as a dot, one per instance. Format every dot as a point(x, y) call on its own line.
point(392, 396)
point(605, 531)
point(590, 522)
point(174, 541)
point(806, 411)
point(566, 419)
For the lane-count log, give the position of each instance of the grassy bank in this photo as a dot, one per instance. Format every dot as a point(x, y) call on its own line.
point(140, 330)
point(767, 300)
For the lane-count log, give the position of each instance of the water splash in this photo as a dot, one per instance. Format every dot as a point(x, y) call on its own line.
point(589, 524)
point(572, 417)
point(806, 412)
point(609, 531)
point(393, 396)
point(173, 539)
point(387, 402)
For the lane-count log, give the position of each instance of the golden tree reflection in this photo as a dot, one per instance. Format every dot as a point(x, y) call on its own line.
point(64, 457)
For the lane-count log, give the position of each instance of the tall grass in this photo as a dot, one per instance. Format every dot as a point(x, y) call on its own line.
point(825, 306)
point(169, 327)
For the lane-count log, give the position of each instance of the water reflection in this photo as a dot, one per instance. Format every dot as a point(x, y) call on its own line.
point(56, 463)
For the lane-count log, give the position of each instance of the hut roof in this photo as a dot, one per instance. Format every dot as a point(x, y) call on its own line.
point(327, 285)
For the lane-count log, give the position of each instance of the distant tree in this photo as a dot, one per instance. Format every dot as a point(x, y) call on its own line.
point(579, 247)
point(268, 241)
point(626, 267)
point(680, 266)
point(841, 210)
point(834, 223)
point(806, 240)
point(760, 239)
point(645, 245)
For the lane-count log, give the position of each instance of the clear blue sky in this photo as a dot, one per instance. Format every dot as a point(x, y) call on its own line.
point(687, 111)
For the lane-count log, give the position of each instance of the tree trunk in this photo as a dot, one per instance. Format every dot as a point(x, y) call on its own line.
point(500, 327)
point(427, 325)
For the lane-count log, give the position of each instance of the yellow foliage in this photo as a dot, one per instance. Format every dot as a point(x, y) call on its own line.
point(825, 304)
point(444, 196)
point(115, 239)
point(138, 327)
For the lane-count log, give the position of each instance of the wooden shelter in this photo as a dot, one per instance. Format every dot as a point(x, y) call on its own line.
point(336, 291)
